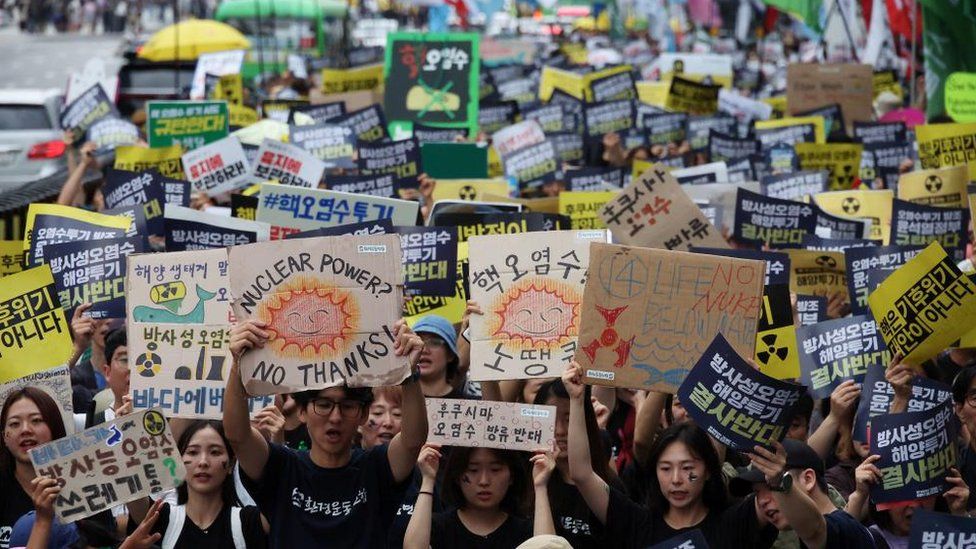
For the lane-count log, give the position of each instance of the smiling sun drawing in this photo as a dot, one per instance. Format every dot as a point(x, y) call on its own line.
point(309, 319)
point(536, 313)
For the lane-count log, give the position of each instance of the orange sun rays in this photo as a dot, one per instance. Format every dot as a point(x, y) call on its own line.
point(539, 313)
point(308, 318)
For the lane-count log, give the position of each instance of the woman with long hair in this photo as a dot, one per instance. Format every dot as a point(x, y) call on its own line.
point(30, 418)
point(207, 512)
point(685, 491)
point(487, 491)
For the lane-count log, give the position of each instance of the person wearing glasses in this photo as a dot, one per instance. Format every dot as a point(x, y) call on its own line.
point(333, 494)
point(116, 372)
point(440, 375)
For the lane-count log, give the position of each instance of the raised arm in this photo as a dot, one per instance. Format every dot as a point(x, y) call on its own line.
point(406, 445)
point(842, 401)
point(900, 376)
point(646, 424)
point(866, 475)
point(595, 491)
point(800, 511)
point(72, 186)
point(418, 530)
point(249, 445)
point(542, 466)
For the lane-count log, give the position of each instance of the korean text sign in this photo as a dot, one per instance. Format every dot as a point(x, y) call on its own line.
point(487, 424)
point(33, 330)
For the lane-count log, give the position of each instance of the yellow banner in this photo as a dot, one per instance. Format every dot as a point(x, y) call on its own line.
point(495, 168)
point(451, 308)
point(873, 205)
point(778, 104)
point(814, 272)
point(944, 187)
point(553, 79)
point(924, 306)
point(468, 189)
point(582, 207)
point(33, 330)
point(776, 351)
point(653, 93)
point(589, 78)
point(842, 160)
point(68, 212)
point(819, 131)
point(230, 88)
point(887, 81)
point(240, 116)
point(168, 160)
point(369, 77)
point(944, 145)
point(11, 257)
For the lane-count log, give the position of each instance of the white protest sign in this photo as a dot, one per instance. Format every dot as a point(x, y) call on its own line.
point(517, 136)
point(218, 63)
point(287, 164)
point(218, 167)
point(489, 424)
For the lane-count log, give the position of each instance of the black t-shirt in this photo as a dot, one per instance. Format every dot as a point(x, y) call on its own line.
point(298, 438)
point(218, 535)
point(966, 463)
point(447, 532)
point(14, 503)
point(845, 531)
point(401, 520)
point(572, 517)
point(307, 505)
point(630, 525)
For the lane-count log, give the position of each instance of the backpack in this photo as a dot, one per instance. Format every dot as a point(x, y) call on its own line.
point(177, 517)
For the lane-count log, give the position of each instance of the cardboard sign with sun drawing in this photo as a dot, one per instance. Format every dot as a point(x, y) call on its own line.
point(329, 304)
point(529, 287)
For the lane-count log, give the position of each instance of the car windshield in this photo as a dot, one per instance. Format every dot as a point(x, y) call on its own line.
point(24, 117)
point(157, 77)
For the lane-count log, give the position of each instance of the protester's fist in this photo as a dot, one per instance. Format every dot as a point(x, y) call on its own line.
point(842, 401)
point(542, 465)
point(247, 335)
point(429, 461)
point(772, 464)
point(82, 327)
point(900, 376)
point(837, 305)
point(867, 475)
point(45, 492)
point(88, 154)
point(573, 381)
point(270, 422)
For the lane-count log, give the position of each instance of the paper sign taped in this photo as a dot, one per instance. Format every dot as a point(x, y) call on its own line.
point(489, 424)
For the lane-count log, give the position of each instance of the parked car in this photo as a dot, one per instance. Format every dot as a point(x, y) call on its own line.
point(141, 81)
point(31, 141)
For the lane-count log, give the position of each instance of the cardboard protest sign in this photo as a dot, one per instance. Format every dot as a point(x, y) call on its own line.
point(530, 288)
point(287, 164)
point(653, 211)
point(877, 395)
point(292, 209)
point(468, 189)
point(583, 207)
point(692, 97)
point(177, 288)
point(689, 539)
point(918, 225)
point(218, 167)
point(92, 272)
point(817, 273)
point(775, 222)
point(11, 257)
point(917, 450)
point(109, 133)
point(432, 78)
point(946, 145)
point(643, 321)
point(811, 309)
point(838, 350)
point(861, 261)
point(796, 185)
point(736, 404)
point(190, 124)
point(54, 224)
point(812, 85)
point(489, 424)
point(777, 263)
point(932, 530)
point(91, 106)
point(166, 160)
point(945, 187)
point(607, 117)
point(872, 205)
point(776, 350)
point(369, 77)
point(429, 260)
point(400, 158)
point(33, 330)
point(373, 185)
point(921, 308)
point(56, 382)
point(843, 160)
point(333, 145)
point(189, 229)
point(880, 132)
point(353, 282)
point(532, 166)
point(110, 464)
point(216, 63)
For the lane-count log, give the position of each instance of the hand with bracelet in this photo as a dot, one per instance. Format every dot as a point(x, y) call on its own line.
point(428, 463)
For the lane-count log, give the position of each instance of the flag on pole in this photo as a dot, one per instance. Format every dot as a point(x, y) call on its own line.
point(807, 11)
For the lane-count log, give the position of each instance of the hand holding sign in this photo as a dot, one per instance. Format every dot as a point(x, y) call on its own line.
point(772, 464)
point(246, 335)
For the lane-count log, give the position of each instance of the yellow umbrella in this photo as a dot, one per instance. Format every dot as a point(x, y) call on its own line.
point(185, 41)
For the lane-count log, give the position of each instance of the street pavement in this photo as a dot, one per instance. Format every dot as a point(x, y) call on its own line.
point(45, 61)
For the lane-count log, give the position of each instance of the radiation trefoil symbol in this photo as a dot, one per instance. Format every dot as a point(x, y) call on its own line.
point(933, 184)
point(609, 337)
point(771, 350)
point(850, 205)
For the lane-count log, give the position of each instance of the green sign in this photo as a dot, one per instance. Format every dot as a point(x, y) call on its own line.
point(454, 160)
point(190, 124)
point(431, 78)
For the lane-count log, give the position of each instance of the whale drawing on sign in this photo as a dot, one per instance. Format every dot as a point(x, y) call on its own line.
point(145, 313)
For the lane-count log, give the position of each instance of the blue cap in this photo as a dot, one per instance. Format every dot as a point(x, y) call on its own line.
point(439, 326)
point(62, 535)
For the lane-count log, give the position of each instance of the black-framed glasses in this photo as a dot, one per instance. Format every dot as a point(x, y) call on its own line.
point(971, 399)
point(347, 408)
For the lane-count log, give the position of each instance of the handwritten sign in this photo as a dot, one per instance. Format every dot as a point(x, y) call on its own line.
point(488, 424)
point(177, 288)
point(736, 404)
point(922, 307)
point(56, 382)
point(917, 450)
point(119, 461)
point(354, 283)
point(648, 314)
point(218, 167)
point(813, 85)
point(530, 287)
point(960, 96)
